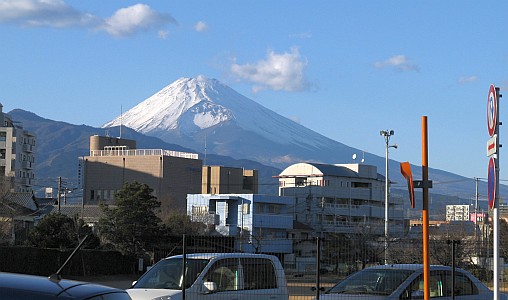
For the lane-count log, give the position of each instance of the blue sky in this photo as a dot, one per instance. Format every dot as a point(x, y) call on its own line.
point(346, 69)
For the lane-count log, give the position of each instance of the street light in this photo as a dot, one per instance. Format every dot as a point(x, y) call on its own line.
point(387, 134)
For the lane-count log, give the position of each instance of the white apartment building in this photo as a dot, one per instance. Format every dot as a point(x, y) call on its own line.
point(457, 213)
point(17, 154)
point(342, 198)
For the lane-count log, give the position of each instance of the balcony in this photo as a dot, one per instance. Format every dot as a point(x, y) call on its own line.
point(28, 148)
point(27, 165)
point(26, 181)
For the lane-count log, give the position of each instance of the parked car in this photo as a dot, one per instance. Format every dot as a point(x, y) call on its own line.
point(211, 276)
point(15, 286)
point(405, 281)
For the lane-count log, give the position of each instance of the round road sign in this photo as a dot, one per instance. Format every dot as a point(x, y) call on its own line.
point(491, 183)
point(492, 110)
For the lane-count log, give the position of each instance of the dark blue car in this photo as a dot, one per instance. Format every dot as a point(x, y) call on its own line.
point(20, 286)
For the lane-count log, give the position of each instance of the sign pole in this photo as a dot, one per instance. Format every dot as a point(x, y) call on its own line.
point(496, 208)
point(425, 210)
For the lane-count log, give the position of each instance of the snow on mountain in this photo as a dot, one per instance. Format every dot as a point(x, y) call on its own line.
point(189, 105)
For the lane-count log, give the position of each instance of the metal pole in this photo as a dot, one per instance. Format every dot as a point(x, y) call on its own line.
point(184, 264)
point(59, 188)
point(425, 213)
point(386, 134)
point(496, 208)
point(386, 200)
point(318, 266)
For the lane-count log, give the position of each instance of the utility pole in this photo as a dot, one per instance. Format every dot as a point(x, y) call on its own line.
point(387, 134)
point(59, 190)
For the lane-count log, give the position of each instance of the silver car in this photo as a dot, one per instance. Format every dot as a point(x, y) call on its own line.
point(405, 281)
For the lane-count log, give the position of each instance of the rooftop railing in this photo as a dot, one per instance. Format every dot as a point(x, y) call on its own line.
point(143, 152)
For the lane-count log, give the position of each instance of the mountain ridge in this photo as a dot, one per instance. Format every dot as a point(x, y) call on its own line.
point(59, 144)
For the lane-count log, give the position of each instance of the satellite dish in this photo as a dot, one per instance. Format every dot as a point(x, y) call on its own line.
point(354, 156)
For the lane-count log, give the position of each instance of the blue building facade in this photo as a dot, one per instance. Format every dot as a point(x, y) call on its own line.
point(259, 222)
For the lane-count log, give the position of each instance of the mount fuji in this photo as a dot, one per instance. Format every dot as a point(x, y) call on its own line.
point(208, 116)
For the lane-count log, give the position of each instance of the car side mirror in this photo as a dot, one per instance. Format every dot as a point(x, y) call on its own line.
point(210, 287)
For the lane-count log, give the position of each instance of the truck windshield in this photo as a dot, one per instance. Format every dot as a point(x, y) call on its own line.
point(167, 274)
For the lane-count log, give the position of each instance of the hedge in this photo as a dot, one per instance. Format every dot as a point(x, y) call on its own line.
point(39, 261)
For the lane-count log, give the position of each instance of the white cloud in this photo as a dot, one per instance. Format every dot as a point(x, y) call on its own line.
point(56, 13)
point(47, 13)
point(132, 19)
point(201, 26)
point(399, 62)
point(467, 79)
point(284, 72)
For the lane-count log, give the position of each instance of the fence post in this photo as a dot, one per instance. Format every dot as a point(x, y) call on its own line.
point(318, 266)
point(184, 263)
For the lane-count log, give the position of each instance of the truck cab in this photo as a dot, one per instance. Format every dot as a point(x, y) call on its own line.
point(210, 276)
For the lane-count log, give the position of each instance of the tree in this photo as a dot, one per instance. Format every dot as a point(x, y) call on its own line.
point(178, 224)
point(132, 225)
point(60, 231)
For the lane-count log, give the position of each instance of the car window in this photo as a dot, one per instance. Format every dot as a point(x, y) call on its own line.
point(436, 285)
point(463, 285)
point(167, 274)
point(440, 285)
point(224, 273)
point(372, 281)
point(258, 273)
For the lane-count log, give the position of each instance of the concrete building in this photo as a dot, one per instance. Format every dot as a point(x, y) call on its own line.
point(229, 180)
point(259, 222)
point(457, 213)
point(345, 198)
point(113, 161)
point(17, 155)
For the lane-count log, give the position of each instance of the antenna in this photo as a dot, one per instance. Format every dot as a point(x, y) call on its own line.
point(204, 161)
point(363, 157)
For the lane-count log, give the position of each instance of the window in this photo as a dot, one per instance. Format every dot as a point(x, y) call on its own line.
point(463, 285)
point(224, 273)
point(200, 210)
point(440, 285)
point(259, 273)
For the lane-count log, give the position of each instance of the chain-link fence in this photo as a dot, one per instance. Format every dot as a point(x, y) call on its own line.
point(313, 265)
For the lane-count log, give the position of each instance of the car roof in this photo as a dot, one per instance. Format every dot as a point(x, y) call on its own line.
point(221, 255)
point(410, 267)
point(63, 288)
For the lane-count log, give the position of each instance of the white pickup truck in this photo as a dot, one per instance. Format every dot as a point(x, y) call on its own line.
point(213, 276)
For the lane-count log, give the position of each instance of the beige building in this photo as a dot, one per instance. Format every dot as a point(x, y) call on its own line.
point(228, 180)
point(113, 161)
point(17, 155)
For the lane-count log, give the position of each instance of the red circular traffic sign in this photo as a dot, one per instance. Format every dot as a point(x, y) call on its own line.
point(492, 110)
point(491, 182)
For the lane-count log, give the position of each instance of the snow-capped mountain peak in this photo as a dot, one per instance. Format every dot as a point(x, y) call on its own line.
point(200, 112)
point(164, 110)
